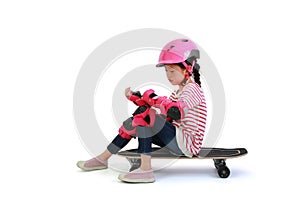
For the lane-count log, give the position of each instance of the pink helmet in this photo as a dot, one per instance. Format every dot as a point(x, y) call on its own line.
point(178, 51)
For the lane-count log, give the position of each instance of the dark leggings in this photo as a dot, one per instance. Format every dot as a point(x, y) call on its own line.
point(162, 134)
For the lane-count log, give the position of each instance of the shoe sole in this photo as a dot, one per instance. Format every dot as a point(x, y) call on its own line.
point(81, 166)
point(142, 180)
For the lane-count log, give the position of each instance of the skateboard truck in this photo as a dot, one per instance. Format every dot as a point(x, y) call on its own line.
point(134, 163)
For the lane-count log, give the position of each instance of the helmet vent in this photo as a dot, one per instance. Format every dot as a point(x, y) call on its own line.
point(172, 46)
point(184, 40)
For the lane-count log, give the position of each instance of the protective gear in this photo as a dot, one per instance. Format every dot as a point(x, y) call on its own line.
point(152, 99)
point(173, 110)
point(178, 51)
point(135, 97)
point(143, 116)
point(126, 133)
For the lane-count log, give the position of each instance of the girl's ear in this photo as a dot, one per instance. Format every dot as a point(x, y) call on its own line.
point(185, 72)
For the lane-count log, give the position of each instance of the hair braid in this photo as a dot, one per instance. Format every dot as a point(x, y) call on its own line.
point(196, 74)
point(196, 68)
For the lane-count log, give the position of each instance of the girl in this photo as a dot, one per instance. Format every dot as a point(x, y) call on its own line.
point(181, 126)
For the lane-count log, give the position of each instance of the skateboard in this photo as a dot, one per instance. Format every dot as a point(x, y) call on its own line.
point(218, 155)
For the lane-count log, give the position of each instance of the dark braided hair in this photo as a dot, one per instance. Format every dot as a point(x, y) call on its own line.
point(196, 68)
point(196, 74)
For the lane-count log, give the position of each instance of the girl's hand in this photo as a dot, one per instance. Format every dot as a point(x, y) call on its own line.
point(128, 92)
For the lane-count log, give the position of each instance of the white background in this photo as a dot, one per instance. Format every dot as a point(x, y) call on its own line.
point(254, 45)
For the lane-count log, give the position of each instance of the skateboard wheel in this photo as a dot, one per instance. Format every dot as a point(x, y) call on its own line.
point(223, 172)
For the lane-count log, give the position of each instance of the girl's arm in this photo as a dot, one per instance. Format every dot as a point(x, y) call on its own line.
point(135, 97)
point(175, 110)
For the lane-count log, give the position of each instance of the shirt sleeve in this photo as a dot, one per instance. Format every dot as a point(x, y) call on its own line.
point(172, 97)
point(191, 95)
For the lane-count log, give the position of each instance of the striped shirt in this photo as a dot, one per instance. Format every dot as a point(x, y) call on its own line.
point(190, 130)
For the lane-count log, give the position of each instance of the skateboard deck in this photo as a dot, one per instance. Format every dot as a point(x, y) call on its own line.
point(218, 155)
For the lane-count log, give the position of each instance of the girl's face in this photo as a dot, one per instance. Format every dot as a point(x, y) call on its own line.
point(174, 74)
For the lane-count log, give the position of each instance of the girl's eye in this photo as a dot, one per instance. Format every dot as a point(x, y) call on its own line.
point(169, 71)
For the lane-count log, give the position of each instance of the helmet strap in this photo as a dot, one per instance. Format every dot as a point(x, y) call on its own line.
point(186, 78)
point(188, 69)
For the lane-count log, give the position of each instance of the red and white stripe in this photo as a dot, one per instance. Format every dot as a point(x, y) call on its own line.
point(191, 129)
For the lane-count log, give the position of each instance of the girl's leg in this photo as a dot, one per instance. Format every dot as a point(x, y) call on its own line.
point(144, 174)
point(100, 162)
point(145, 162)
point(105, 155)
point(144, 135)
point(114, 147)
point(164, 135)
